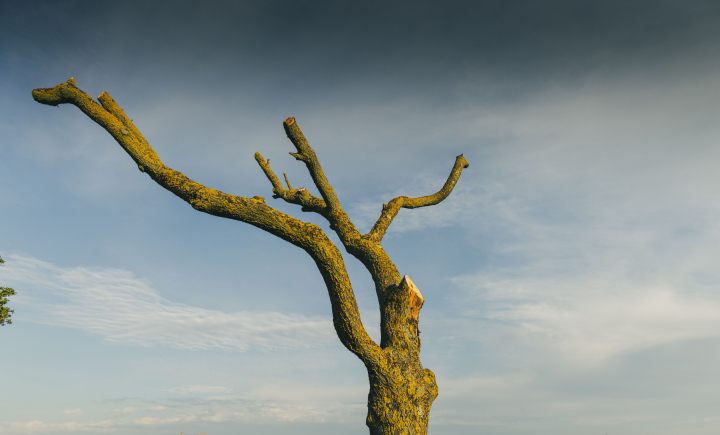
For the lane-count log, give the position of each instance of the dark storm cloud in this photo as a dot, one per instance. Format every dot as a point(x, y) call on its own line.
point(380, 47)
point(367, 74)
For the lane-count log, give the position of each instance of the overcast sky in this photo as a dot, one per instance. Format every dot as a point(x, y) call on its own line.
point(572, 279)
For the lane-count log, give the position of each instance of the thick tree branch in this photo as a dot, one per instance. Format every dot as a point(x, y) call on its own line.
point(391, 209)
point(112, 118)
point(339, 220)
point(294, 196)
point(129, 138)
point(346, 315)
point(311, 238)
point(307, 154)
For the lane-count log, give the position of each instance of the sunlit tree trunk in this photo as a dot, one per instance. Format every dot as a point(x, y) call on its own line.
point(401, 390)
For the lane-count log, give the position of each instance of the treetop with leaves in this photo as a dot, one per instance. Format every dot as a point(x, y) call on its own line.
point(5, 312)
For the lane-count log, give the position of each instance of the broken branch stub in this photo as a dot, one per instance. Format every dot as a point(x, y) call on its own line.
point(416, 298)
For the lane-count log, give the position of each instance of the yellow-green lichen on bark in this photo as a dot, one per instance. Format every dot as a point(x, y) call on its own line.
point(401, 403)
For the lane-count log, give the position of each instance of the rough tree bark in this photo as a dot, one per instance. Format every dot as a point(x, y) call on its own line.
point(401, 390)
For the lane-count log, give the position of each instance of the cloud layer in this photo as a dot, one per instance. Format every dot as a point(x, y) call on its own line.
point(121, 308)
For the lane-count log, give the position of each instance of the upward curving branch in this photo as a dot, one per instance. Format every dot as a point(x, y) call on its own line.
point(391, 209)
point(309, 237)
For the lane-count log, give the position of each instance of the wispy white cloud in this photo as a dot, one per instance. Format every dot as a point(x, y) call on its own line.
point(521, 404)
point(121, 308)
point(37, 426)
point(209, 410)
point(609, 220)
point(77, 411)
point(124, 411)
point(194, 389)
point(586, 321)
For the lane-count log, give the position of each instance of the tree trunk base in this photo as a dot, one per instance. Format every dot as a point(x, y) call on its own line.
point(401, 404)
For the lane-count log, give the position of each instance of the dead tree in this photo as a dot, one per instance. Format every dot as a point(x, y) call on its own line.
point(401, 390)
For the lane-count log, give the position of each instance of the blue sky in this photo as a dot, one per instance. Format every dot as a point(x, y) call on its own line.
point(571, 279)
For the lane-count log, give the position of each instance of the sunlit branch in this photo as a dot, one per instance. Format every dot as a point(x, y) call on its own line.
point(391, 209)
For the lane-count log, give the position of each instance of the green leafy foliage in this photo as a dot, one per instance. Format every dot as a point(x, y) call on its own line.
point(5, 312)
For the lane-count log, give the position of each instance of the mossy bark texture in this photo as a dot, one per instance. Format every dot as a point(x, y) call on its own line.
point(401, 390)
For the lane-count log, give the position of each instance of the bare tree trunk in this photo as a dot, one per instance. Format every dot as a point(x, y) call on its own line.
point(401, 390)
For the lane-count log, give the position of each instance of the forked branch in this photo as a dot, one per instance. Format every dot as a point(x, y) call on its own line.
point(113, 119)
point(329, 206)
point(306, 154)
point(294, 196)
point(391, 209)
